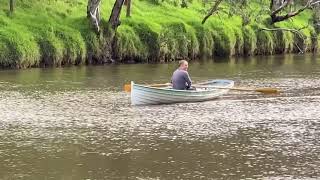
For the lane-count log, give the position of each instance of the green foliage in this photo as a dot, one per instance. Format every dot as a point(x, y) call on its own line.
point(250, 40)
point(239, 45)
point(193, 43)
point(283, 41)
point(225, 38)
point(129, 46)
point(20, 48)
point(265, 41)
point(156, 2)
point(5, 54)
point(74, 45)
point(173, 41)
point(47, 38)
point(93, 44)
point(317, 47)
point(204, 37)
point(148, 37)
point(51, 49)
point(159, 30)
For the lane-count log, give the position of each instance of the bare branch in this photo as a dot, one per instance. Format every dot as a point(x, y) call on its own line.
point(285, 29)
point(314, 3)
point(277, 18)
point(285, 4)
point(300, 35)
point(212, 10)
point(301, 51)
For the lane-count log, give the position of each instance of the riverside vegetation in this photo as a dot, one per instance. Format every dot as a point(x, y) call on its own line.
point(57, 32)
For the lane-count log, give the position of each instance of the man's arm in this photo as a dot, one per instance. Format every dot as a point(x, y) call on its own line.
point(188, 79)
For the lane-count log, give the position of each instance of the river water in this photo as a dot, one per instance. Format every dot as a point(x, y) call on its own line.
point(77, 123)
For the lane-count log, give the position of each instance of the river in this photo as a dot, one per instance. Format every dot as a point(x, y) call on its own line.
point(77, 123)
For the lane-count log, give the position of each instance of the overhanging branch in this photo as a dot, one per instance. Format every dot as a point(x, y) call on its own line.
point(300, 35)
point(212, 10)
point(273, 13)
point(278, 18)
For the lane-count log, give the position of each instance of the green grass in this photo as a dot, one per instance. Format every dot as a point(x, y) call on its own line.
point(60, 34)
point(54, 37)
point(250, 40)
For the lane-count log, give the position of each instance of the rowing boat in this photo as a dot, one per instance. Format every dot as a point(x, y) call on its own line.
point(145, 94)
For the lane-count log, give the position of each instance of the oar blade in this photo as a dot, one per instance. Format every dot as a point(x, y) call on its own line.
point(268, 90)
point(127, 87)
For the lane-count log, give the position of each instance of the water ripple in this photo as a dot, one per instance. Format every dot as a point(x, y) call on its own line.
point(84, 131)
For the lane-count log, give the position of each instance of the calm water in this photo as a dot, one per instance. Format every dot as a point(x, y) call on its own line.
point(77, 123)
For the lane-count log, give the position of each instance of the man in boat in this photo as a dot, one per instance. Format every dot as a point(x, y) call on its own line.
point(180, 78)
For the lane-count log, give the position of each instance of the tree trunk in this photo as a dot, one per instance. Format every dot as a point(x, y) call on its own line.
point(316, 18)
point(93, 12)
point(108, 42)
point(11, 6)
point(128, 3)
point(115, 14)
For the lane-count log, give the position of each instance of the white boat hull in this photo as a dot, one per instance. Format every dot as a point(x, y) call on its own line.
point(144, 95)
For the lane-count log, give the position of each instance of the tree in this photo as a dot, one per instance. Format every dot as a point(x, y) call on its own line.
point(278, 6)
point(280, 10)
point(93, 12)
point(11, 6)
point(316, 18)
point(213, 10)
point(236, 4)
point(108, 40)
point(114, 19)
point(128, 4)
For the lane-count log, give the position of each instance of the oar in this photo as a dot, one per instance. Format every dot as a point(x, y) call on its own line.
point(261, 90)
point(127, 87)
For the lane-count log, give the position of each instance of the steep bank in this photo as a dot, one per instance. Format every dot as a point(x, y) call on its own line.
point(55, 33)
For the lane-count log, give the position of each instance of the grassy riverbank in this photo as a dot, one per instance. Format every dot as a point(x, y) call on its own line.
point(55, 33)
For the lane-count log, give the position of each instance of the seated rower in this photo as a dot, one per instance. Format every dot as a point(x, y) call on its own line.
point(180, 79)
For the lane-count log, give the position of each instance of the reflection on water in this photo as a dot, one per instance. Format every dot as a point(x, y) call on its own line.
point(77, 123)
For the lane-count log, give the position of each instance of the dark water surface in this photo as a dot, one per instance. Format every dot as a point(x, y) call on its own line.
point(77, 123)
